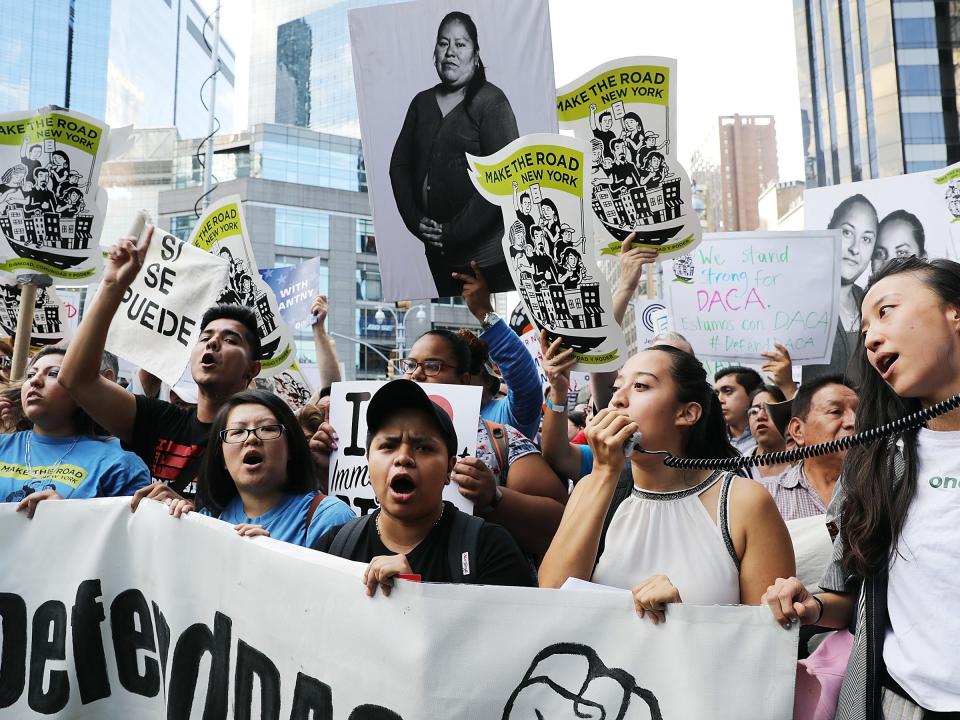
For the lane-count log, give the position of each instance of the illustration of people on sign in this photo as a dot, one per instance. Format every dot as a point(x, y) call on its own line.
point(43, 215)
point(243, 290)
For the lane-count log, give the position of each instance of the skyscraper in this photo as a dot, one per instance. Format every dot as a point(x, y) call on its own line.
point(300, 67)
point(878, 91)
point(140, 63)
point(748, 163)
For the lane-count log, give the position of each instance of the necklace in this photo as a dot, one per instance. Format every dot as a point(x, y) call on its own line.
point(52, 473)
point(376, 521)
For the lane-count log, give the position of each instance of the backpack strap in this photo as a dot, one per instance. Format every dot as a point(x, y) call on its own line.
point(463, 556)
point(501, 447)
point(348, 537)
point(621, 493)
point(314, 504)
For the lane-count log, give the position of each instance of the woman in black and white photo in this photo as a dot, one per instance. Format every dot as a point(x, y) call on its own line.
point(463, 113)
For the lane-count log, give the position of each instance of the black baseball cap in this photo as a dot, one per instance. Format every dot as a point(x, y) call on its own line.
point(403, 394)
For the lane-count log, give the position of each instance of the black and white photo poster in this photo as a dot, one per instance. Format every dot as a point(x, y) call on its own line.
point(626, 111)
point(50, 221)
point(539, 183)
point(437, 80)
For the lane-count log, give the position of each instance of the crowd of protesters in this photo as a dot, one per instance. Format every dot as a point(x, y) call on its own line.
point(556, 496)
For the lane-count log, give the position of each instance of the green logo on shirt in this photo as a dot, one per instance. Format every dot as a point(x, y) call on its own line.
point(944, 483)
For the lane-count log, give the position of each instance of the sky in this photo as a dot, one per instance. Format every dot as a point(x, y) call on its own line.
point(734, 56)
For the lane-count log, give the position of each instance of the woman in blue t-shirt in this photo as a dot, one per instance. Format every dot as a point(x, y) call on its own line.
point(61, 456)
point(258, 474)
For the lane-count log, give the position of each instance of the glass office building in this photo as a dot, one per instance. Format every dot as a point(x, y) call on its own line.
point(878, 88)
point(141, 63)
point(301, 69)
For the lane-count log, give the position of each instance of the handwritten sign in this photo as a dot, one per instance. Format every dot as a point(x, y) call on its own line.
point(349, 472)
point(739, 293)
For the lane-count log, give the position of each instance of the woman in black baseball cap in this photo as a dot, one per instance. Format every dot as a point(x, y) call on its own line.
point(411, 452)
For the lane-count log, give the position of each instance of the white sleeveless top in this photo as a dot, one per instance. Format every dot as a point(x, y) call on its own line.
point(672, 534)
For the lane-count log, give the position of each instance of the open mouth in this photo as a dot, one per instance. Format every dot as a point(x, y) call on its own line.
point(31, 396)
point(208, 359)
point(252, 459)
point(885, 363)
point(402, 487)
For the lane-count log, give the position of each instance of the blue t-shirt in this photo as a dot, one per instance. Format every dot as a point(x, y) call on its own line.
point(288, 520)
point(91, 468)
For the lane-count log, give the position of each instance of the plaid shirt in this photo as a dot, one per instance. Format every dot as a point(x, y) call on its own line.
point(793, 495)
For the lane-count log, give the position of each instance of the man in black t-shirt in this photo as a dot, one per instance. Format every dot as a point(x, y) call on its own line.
point(170, 440)
point(411, 451)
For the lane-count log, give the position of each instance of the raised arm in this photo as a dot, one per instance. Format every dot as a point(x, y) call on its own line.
point(112, 407)
point(573, 552)
point(524, 391)
point(327, 363)
point(593, 117)
point(562, 455)
point(632, 260)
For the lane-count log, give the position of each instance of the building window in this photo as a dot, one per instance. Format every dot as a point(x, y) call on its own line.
point(368, 285)
point(181, 226)
point(919, 79)
point(307, 229)
point(913, 166)
point(455, 300)
point(924, 128)
point(366, 241)
point(373, 330)
point(915, 32)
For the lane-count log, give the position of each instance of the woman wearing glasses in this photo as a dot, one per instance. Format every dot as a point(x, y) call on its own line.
point(508, 481)
point(764, 431)
point(258, 475)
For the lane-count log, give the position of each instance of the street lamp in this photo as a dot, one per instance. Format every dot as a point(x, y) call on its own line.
point(401, 324)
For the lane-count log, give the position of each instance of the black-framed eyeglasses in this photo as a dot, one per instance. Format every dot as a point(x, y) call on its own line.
point(238, 435)
point(408, 366)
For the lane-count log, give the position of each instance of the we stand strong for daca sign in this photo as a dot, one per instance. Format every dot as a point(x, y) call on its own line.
point(217, 626)
point(737, 294)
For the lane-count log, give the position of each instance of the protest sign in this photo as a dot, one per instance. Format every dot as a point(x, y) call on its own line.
point(292, 386)
point(739, 293)
point(73, 301)
point(429, 219)
point(578, 380)
point(257, 628)
point(550, 254)
point(50, 220)
point(626, 111)
point(222, 230)
point(651, 318)
point(295, 289)
point(348, 415)
point(50, 323)
point(888, 217)
point(158, 321)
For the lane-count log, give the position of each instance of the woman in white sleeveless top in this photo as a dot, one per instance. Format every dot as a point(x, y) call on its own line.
point(694, 536)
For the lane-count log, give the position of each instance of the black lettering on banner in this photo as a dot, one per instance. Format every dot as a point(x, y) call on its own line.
point(13, 651)
point(170, 249)
point(366, 505)
point(356, 398)
point(85, 619)
point(157, 276)
point(194, 643)
point(128, 610)
point(51, 616)
point(250, 662)
point(163, 637)
point(311, 696)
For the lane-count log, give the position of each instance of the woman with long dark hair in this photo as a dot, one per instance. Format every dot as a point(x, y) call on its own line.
point(896, 550)
point(463, 113)
point(258, 473)
point(61, 455)
point(669, 535)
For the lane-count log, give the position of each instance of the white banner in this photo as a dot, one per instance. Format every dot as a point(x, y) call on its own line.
point(220, 626)
point(158, 321)
point(348, 415)
point(739, 293)
point(222, 231)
